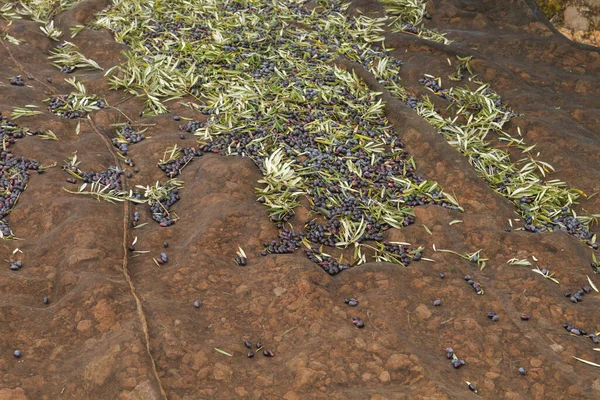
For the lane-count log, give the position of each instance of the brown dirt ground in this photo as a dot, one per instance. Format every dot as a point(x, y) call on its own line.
point(89, 343)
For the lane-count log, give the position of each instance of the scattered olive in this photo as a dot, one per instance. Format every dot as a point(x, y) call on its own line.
point(522, 371)
point(197, 303)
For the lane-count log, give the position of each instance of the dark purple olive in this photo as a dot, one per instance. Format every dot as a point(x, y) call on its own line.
point(259, 345)
point(472, 387)
point(495, 318)
point(442, 276)
point(17, 353)
point(522, 371)
point(14, 267)
point(182, 136)
point(573, 299)
point(197, 303)
point(437, 303)
point(575, 331)
point(491, 314)
point(165, 245)
point(360, 324)
point(467, 277)
point(268, 353)
point(250, 354)
point(578, 297)
point(525, 317)
point(46, 300)
point(164, 257)
point(177, 118)
point(248, 344)
point(242, 261)
point(587, 289)
point(568, 293)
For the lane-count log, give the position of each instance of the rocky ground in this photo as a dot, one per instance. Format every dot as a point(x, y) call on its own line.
point(121, 327)
point(579, 20)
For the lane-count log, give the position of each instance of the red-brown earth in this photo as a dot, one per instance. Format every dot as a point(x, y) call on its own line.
point(95, 341)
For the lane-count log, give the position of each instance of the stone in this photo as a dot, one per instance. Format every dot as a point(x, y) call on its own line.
point(397, 362)
point(84, 325)
point(423, 313)
point(143, 391)
point(222, 372)
point(384, 377)
point(291, 396)
point(575, 20)
point(12, 394)
point(98, 371)
point(304, 377)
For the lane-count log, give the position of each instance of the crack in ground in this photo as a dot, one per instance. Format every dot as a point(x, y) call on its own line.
point(125, 271)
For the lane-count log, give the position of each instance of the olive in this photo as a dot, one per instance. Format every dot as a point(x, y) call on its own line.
point(437, 303)
point(17, 353)
point(250, 354)
point(248, 344)
point(522, 371)
point(197, 303)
